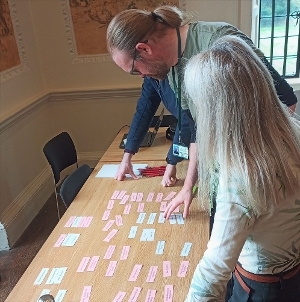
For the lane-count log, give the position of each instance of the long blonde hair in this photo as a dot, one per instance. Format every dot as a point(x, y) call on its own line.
point(241, 125)
point(132, 26)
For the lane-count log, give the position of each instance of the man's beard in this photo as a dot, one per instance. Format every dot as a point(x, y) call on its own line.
point(157, 69)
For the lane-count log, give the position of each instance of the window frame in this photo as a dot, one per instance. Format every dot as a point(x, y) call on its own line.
point(255, 35)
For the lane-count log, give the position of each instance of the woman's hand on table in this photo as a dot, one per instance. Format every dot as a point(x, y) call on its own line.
point(185, 197)
point(169, 178)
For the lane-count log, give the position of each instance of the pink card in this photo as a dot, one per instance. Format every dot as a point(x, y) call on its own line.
point(150, 196)
point(133, 196)
point(124, 199)
point(135, 294)
point(152, 274)
point(127, 209)
point(168, 293)
point(135, 272)
point(139, 197)
point(159, 197)
point(87, 221)
point(183, 268)
point(60, 240)
point(111, 234)
point(167, 269)
point(125, 252)
point(111, 268)
point(170, 196)
point(119, 220)
point(121, 194)
point(86, 293)
point(163, 206)
point(119, 297)
point(110, 204)
point(108, 225)
point(93, 264)
point(70, 221)
point(83, 264)
point(150, 295)
point(106, 215)
point(110, 250)
point(140, 208)
point(115, 194)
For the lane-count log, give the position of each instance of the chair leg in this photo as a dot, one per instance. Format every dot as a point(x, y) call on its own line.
point(56, 197)
point(57, 207)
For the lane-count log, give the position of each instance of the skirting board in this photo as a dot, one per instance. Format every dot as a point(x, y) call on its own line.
point(27, 205)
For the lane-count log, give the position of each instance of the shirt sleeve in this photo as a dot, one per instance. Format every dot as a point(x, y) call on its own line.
point(284, 91)
point(146, 108)
point(232, 224)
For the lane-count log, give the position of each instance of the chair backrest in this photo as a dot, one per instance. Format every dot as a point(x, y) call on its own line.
point(61, 153)
point(73, 183)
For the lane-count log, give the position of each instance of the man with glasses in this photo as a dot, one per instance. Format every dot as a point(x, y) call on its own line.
point(157, 45)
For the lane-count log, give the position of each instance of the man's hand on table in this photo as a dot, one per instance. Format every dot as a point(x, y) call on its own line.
point(125, 167)
point(185, 197)
point(169, 178)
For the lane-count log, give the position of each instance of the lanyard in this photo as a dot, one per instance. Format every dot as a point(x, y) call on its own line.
point(177, 87)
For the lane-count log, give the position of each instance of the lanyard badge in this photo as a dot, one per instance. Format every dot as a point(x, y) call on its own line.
point(179, 149)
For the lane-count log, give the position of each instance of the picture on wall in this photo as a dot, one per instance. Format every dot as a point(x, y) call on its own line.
point(9, 54)
point(89, 20)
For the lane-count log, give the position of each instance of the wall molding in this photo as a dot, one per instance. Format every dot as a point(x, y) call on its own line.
point(15, 116)
point(95, 94)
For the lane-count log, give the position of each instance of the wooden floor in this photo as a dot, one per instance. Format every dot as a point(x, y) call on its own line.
point(14, 262)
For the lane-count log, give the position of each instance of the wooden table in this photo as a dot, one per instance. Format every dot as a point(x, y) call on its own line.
point(158, 150)
point(93, 200)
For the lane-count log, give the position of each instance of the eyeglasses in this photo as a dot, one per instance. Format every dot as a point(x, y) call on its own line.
point(132, 71)
point(135, 55)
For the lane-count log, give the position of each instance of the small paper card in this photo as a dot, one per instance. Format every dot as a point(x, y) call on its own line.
point(41, 276)
point(152, 274)
point(125, 252)
point(167, 272)
point(160, 247)
point(186, 249)
point(86, 293)
point(168, 293)
point(135, 272)
point(183, 268)
point(135, 294)
point(93, 264)
point(132, 232)
point(148, 235)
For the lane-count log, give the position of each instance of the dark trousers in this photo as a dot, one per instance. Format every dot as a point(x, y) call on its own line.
point(284, 291)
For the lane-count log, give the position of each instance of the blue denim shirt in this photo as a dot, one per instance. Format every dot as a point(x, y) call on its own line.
point(153, 93)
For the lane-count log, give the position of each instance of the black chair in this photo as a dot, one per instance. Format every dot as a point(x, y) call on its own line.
point(73, 183)
point(61, 153)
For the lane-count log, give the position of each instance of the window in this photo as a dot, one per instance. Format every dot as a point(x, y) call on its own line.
point(278, 35)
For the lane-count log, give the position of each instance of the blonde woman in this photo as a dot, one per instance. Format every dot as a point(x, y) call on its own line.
point(246, 134)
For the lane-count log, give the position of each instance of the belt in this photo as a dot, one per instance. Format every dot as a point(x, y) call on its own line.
point(267, 278)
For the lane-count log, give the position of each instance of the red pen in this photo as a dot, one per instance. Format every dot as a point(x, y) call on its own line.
point(153, 171)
